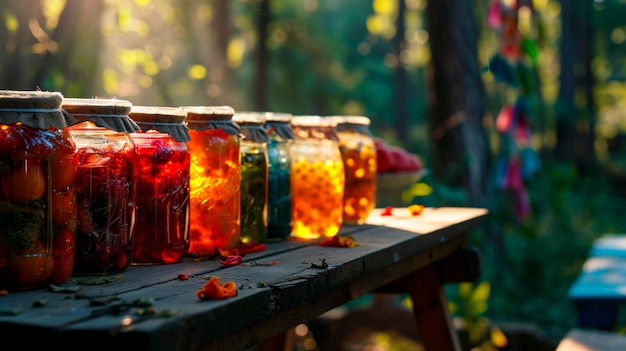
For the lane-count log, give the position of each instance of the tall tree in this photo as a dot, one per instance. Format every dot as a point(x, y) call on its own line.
point(456, 100)
point(576, 75)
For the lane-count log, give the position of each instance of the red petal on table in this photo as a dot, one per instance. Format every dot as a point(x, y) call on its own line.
point(387, 211)
point(251, 247)
point(231, 260)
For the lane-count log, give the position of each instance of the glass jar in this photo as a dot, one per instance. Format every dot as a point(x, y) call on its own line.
point(359, 162)
point(279, 223)
point(254, 173)
point(317, 178)
point(214, 193)
point(37, 192)
point(105, 184)
point(162, 203)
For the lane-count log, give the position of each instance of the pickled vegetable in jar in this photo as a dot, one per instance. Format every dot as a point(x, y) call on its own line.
point(37, 191)
point(359, 161)
point(279, 203)
point(162, 206)
point(254, 174)
point(317, 178)
point(105, 184)
point(215, 175)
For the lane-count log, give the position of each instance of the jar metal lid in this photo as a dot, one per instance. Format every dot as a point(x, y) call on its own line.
point(168, 120)
point(351, 119)
point(312, 121)
point(210, 113)
point(37, 109)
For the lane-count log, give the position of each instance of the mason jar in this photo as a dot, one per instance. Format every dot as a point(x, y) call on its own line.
point(105, 184)
point(37, 191)
point(163, 163)
point(279, 222)
point(215, 176)
point(254, 177)
point(359, 162)
point(317, 178)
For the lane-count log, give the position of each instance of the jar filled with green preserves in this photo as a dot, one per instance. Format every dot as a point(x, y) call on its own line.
point(254, 177)
point(279, 222)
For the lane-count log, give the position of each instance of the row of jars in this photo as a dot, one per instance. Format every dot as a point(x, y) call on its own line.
point(89, 186)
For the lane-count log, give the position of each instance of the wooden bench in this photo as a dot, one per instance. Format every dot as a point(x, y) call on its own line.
point(600, 288)
point(592, 340)
point(402, 253)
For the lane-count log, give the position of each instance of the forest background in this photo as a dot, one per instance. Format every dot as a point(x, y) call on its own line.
point(516, 106)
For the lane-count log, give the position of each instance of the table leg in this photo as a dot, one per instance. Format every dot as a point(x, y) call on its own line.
point(280, 342)
point(430, 308)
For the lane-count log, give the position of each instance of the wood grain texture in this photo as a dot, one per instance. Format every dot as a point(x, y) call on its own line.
point(271, 299)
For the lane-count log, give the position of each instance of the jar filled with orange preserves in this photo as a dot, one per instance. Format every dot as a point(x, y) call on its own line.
point(37, 191)
point(317, 178)
point(163, 161)
point(214, 188)
point(359, 161)
point(105, 183)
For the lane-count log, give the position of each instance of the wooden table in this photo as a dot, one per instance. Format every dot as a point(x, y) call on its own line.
point(401, 253)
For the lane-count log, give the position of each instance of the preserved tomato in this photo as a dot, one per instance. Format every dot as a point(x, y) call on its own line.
point(105, 183)
point(32, 142)
point(215, 198)
point(162, 185)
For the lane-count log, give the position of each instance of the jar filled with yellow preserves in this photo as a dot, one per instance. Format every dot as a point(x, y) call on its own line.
point(214, 186)
point(359, 161)
point(317, 178)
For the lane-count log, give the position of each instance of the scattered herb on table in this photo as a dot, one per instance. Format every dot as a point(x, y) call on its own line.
point(322, 265)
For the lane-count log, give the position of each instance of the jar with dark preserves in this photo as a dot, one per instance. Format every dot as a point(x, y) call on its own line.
point(279, 223)
point(359, 161)
point(317, 178)
point(254, 172)
point(214, 188)
point(37, 191)
point(105, 183)
point(163, 162)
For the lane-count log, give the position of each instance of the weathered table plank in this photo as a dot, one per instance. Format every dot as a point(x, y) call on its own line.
point(271, 298)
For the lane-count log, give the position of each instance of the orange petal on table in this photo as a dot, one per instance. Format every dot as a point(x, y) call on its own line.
point(416, 210)
point(214, 290)
point(339, 241)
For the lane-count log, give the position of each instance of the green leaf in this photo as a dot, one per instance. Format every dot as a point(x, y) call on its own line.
point(64, 289)
point(481, 292)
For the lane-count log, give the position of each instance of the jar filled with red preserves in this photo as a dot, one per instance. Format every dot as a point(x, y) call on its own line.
point(359, 162)
point(214, 187)
point(105, 183)
point(162, 206)
point(254, 177)
point(37, 191)
point(317, 178)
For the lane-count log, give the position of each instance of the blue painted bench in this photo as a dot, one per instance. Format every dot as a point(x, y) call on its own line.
point(600, 288)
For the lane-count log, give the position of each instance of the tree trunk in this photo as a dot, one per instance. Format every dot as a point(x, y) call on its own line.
point(456, 100)
point(402, 86)
point(565, 110)
point(261, 62)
